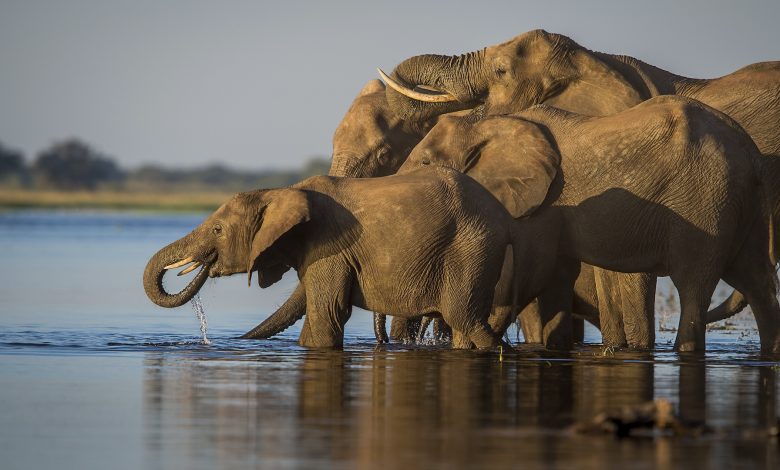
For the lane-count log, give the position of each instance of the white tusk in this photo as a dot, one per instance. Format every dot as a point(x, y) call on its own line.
point(179, 264)
point(190, 268)
point(420, 93)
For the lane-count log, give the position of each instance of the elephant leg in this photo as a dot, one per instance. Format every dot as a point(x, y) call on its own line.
point(610, 304)
point(380, 328)
point(460, 340)
point(578, 329)
point(637, 291)
point(441, 331)
point(404, 330)
point(758, 282)
point(500, 319)
point(531, 323)
point(695, 294)
point(555, 304)
point(327, 305)
point(423, 328)
point(626, 308)
point(306, 334)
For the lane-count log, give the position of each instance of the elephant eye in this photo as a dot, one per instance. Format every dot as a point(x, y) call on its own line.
point(217, 229)
point(381, 154)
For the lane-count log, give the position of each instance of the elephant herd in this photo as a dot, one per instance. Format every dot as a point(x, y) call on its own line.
point(587, 176)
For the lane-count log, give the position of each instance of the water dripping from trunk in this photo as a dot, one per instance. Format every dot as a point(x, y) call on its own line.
point(197, 305)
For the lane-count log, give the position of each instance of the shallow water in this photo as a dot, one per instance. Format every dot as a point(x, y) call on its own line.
point(93, 375)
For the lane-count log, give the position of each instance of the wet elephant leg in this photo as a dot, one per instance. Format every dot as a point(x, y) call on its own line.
point(555, 304)
point(327, 305)
point(423, 328)
point(531, 323)
point(380, 328)
point(638, 295)
point(404, 329)
point(578, 329)
point(610, 305)
point(441, 331)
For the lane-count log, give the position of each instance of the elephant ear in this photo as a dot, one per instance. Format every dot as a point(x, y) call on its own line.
point(598, 88)
point(287, 209)
point(516, 163)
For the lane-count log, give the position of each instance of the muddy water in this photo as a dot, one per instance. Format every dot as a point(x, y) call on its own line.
point(93, 376)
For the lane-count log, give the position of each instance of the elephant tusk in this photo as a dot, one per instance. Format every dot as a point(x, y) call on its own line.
point(420, 93)
point(180, 263)
point(190, 268)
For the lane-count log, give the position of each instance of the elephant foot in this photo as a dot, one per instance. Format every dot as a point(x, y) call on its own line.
point(687, 346)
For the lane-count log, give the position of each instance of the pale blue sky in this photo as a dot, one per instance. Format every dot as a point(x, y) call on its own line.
point(256, 84)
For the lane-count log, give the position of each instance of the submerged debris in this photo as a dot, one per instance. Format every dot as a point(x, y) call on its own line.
point(656, 416)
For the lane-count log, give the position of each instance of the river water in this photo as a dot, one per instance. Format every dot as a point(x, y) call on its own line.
point(93, 375)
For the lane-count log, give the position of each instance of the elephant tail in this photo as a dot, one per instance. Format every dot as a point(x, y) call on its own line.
point(734, 304)
point(293, 309)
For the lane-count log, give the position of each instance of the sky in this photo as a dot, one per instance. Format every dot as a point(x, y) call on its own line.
point(256, 84)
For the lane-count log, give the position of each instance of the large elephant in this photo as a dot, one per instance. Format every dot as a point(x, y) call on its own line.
point(667, 187)
point(540, 67)
point(372, 141)
point(442, 258)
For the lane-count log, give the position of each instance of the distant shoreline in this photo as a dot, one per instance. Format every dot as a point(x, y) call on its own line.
point(21, 199)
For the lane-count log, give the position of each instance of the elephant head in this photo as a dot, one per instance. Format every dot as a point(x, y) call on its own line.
point(535, 67)
point(251, 232)
point(511, 157)
point(371, 140)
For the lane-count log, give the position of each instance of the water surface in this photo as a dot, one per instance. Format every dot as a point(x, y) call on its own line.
point(92, 375)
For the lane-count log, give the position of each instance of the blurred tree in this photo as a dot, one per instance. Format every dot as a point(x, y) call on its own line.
point(72, 165)
point(12, 168)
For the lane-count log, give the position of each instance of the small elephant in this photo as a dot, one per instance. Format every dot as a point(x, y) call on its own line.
point(667, 187)
point(357, 241)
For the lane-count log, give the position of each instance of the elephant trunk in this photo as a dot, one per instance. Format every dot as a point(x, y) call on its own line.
point(163, 260)
point(284, 317)
point(462, 77)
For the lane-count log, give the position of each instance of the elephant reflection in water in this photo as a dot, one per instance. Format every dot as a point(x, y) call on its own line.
point(449, 407)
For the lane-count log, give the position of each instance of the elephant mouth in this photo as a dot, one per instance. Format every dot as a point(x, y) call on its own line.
point(191, 263)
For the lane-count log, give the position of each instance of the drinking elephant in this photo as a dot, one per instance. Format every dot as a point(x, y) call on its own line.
point(369, 141)
point(667, 187)
point(540, 67)
point(442, 258)
point(372, 141)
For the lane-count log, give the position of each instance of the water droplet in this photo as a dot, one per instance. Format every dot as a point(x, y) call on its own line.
point(197, 305)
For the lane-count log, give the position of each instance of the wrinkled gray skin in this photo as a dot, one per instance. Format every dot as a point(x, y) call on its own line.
point(540, 67)
point(670, 187)
point(333, 232)
point(370, 141)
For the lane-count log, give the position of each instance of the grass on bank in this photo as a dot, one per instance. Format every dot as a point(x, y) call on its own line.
point(115, 200)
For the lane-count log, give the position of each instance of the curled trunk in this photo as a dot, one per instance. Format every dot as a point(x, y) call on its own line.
point(461, 76)
point(284, 317)
point(734, 304)
point(155, 271)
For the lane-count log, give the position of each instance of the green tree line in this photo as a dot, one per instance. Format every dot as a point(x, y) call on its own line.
point(73, 165)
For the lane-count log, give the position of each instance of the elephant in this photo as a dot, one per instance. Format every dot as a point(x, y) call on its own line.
point(540, 67)
point(442, 258)
point(667, 187)
point(372, 141)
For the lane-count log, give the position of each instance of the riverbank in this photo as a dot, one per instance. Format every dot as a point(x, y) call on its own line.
point(114, 200)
